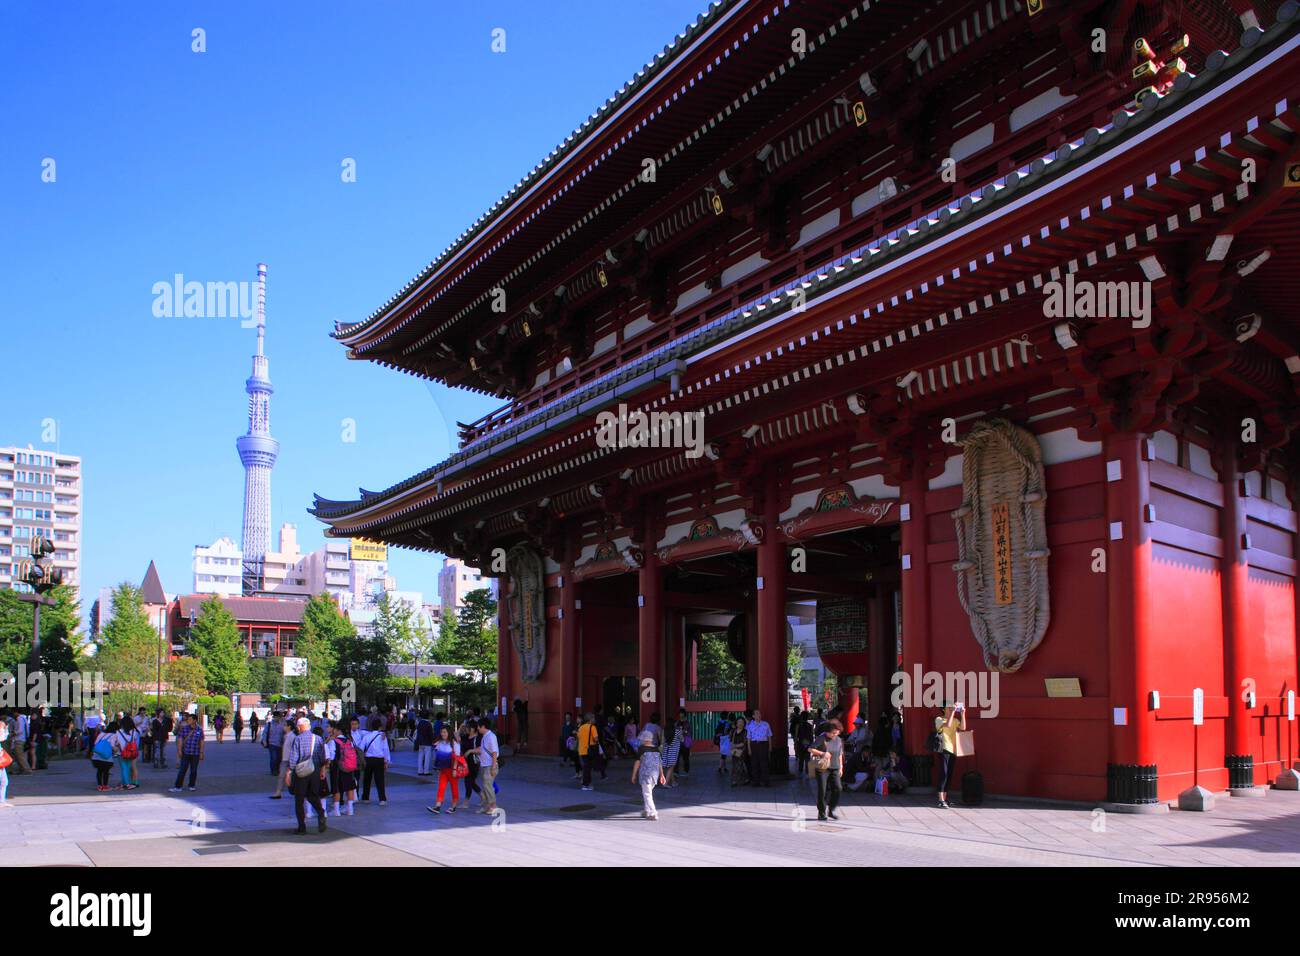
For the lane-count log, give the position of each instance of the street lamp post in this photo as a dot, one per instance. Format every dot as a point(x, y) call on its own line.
point(41, 575)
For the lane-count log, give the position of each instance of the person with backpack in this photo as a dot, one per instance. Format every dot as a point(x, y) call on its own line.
point(944, 743)
point(342, 755)
point(826, 756)
point(219, 725)
point(126, 747)
point(101, 757)
point(287, 734)
point(446, 755)
point(189, 752)
point(374, 749)
point(569, 744)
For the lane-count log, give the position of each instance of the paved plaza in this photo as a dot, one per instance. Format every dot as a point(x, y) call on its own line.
point(59, 819)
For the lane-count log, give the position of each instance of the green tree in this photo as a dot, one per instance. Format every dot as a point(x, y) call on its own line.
point(322, 628)
point(411, 643)
point(62, 646)
point(215, 642)
point(130, 650)
point(187, 679)
point(266, 675)
point(715, 666)
point(362, 660)
point(473, 642)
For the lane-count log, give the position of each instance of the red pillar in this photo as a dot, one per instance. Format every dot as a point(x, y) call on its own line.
point(850, 700)
point(1128, 586)
point(1235, 577)
point(917, 721)
point(650, 624)
point(504, 660)
point(569, 647)
point(770, 668)
point(673, 663)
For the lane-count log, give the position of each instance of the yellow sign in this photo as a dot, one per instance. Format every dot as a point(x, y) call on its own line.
point(1002, 553)
point(717, 204)
point(363, 550)
point(1292, 178)
point(860, 113)
point(1034, 7)
point(1063, 687)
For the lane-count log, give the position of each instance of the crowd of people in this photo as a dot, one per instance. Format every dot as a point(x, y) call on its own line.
point(331, 765)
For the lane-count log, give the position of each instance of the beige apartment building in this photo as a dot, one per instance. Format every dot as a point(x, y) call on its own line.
point(40, 495)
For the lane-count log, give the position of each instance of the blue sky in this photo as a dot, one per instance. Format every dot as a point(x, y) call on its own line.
point(170, 161)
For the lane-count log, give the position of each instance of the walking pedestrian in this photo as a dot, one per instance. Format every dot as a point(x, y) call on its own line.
point(489, 755)
point(126, 747)
point(342, 755)
point(21, 733)
point(827, 756)
point(101, 757)
point(739, 752)
point(374, 748)
point(273, 741)
point(424, 740)
point(722, 740)
point(684, 755)
point(802, 732)
point(648, 771)
point(305, 775)
point(237, 725)
point(588, 748)
point(219, 725)
point(760, 749)
point(469, 741)
point(5, 761)
point(445, 752)
point(253, 724)
point(142, 726)
point(672, 752)
point(569, 744)
point(189, 752)
point(287, 735)
point(946, 726)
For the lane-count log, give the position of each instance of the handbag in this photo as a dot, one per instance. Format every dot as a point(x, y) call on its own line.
point(819, 764)
point(459, 768)
point(305, 768)
point(5, 759)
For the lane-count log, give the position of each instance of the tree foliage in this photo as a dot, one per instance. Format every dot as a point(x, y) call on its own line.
point(215, 642)
point(323, 627)
point(473, 641)
point(131, 651)
point(715, 666)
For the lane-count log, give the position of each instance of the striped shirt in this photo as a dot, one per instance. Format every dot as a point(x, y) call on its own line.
point(304, 747)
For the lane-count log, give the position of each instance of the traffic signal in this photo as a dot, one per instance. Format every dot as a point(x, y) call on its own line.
point(39, 570)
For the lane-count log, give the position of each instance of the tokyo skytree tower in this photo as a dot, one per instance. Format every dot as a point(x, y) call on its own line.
point(258, 451)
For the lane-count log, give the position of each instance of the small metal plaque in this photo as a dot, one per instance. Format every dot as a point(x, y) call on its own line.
point(1063, 687)
point(214, 850)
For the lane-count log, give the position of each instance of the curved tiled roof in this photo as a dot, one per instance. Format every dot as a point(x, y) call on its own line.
point(643, 78)
point(929, 229)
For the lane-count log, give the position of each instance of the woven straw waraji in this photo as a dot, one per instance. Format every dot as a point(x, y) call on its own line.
point(527, 612)
point(1003, 463)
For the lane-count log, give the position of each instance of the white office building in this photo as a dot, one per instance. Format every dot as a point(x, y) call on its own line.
point(218, 568)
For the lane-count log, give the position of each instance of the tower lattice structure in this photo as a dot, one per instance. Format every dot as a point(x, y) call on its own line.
point(258, 451)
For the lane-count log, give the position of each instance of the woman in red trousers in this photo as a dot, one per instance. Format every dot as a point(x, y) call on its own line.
point(445, 751)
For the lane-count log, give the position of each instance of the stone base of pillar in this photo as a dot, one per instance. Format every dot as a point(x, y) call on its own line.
point(1196, 798)
point(1287, 780)
point(1247, 791)
point(1110, 807)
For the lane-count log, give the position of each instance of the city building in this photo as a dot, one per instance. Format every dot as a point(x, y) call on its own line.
point(455, 580)
point(975, 335)
point(268, 626)
point(218, 568)
point(258, 452)
point(40, 494)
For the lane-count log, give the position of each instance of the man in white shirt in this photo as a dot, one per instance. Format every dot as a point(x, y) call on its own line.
point(489, 756)
point(21, 732)
point(759, 732)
